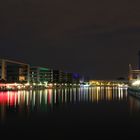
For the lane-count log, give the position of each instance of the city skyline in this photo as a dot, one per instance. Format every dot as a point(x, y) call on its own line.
point(94, 38)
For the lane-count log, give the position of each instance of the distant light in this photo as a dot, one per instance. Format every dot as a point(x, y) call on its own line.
point(50, 85)
point(27, 84)
point(45, 83)
point(40, 84)
point(136, 83)
point(34, 83)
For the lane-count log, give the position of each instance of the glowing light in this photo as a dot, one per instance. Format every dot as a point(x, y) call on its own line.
point(34, 83)
point(40, 84)
point(136, 83)
point(27, 84)
point(8, 98)
point(50, 85)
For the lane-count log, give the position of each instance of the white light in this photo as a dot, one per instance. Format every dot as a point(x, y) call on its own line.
point(50, 85)
point(27, 84)
point(45, 83)
point(136, 83)
point(19, 87)
point(40, 84)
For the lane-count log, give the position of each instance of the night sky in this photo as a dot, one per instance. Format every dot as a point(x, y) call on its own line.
point(97, 38)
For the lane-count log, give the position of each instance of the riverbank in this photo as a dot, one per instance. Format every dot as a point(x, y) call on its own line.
point(17, 87)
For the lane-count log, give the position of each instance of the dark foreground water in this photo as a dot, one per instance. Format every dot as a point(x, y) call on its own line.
point(75, 113)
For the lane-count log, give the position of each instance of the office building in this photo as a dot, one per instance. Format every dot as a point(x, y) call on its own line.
point(14, 71)
point(40, 75)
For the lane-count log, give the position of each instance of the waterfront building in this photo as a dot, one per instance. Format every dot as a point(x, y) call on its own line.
point(40, 75)
point(69, 78)
point(14, 71)
point(57, 76)
point(63, 77)
point(76, 78)
point(18, 72)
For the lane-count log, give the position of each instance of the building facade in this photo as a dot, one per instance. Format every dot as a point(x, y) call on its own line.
point(40, 75)
point(18, 72)
point(13, 71)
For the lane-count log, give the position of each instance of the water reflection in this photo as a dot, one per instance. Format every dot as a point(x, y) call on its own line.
point(134, 104)
point(46, 100)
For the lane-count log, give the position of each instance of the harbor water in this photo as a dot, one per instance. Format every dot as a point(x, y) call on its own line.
point(69, 113)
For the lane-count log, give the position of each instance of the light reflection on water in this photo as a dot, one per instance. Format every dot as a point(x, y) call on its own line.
point(134, 104)
point(45, 100)
point(53, 96)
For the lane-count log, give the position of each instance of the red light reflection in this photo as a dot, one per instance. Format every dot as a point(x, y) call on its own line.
point(8, 98)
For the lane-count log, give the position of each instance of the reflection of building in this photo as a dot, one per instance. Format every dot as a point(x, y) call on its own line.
point(13, 71)
point(134, 104)
point(40, 74)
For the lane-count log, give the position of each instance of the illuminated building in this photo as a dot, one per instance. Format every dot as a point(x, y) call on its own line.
point(18, 72)
point(13, 71)
point(40, 75)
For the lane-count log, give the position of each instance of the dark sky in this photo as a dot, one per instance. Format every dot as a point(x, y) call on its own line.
point(97, 38)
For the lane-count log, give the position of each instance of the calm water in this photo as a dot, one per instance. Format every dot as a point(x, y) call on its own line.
point(69, 113)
